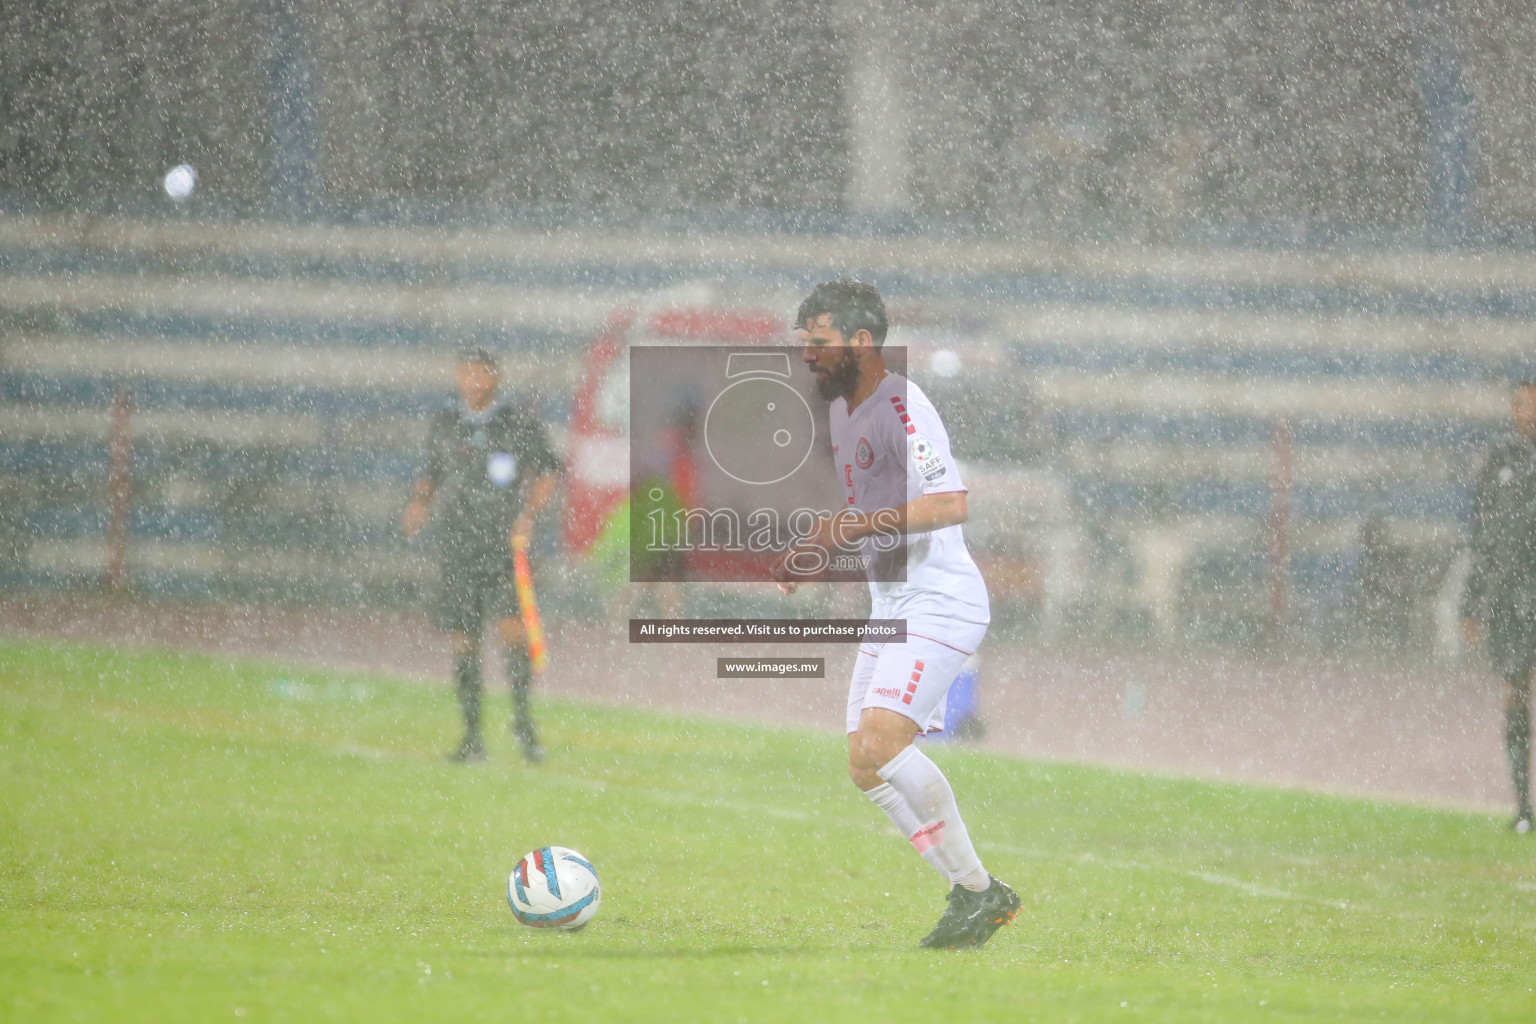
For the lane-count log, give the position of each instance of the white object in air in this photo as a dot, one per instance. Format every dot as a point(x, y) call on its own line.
point(945, 363)
point(180, 181)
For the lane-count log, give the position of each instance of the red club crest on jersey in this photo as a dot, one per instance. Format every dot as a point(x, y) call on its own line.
point(864, 455)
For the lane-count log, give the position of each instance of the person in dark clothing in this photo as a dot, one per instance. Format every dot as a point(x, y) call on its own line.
point(491, 469)
point(1500, 602)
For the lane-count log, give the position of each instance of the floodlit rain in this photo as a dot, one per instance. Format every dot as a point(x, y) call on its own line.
point(1224, 307)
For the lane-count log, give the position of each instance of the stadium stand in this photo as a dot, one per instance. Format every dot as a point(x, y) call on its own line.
point(280, 374)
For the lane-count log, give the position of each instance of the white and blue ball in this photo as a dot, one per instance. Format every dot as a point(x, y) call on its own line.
point(554, 887)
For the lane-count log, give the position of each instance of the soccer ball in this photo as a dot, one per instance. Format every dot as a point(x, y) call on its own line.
point(554, 887)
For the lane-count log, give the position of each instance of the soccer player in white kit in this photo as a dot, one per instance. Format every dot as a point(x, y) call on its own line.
point(893, 458)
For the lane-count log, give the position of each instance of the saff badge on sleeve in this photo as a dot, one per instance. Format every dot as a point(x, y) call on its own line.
point(930, 464)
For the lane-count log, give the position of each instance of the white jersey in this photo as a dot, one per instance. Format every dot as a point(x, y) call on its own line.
point(891, 450)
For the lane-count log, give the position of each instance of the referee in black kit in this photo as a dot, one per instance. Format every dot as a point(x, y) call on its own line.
point(491, 468)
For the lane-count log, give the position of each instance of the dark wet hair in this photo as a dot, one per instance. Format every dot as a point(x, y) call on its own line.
point(478, 355)
point(854, 305)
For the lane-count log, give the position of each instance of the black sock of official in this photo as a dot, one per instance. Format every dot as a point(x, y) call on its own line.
point(519, 677)
point(1517, 745)
point(466, 679)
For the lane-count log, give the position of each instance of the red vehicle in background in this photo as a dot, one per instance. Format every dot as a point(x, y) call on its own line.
point(598, 474)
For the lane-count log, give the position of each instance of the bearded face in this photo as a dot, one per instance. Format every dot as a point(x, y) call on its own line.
point(836, 375)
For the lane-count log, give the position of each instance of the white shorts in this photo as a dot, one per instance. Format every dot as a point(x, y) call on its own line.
point(913, 678)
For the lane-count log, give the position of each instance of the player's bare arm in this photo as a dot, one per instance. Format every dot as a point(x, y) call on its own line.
point(921, 515)
point(845, 529)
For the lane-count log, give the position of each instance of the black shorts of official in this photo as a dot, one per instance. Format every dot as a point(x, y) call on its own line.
point(475, 593)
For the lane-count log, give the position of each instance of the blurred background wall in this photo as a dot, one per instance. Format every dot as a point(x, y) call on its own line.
point(1220, 296)
point(1140, 120)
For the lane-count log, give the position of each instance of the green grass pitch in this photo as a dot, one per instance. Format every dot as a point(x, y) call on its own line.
point(187, 839)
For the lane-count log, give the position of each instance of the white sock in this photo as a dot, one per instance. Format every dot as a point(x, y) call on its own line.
point(939, 831)
point(905, 819)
